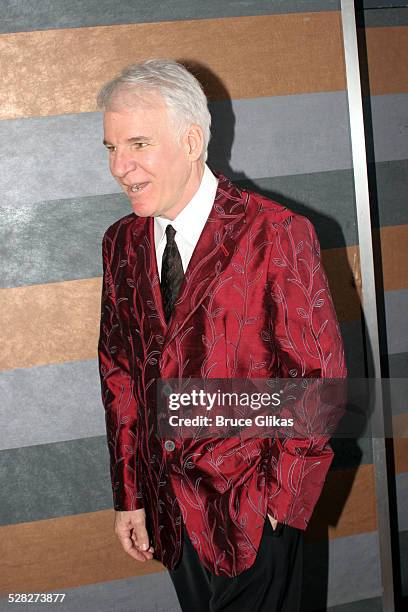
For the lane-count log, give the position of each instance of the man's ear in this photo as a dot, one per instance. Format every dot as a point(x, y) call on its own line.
point(194, 142)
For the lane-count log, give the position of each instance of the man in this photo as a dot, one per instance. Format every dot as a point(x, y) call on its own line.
point(204, 280)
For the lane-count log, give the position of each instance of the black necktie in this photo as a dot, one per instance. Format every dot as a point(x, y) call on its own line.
point(172, 273)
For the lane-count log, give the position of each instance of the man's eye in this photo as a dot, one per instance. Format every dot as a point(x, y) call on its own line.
point(140, 145)
point(111, 149)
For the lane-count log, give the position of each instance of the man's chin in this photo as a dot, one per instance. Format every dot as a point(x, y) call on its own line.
point(141, 207)
point(141, 211)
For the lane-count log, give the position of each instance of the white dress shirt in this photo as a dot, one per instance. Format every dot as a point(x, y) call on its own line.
point(189, 223)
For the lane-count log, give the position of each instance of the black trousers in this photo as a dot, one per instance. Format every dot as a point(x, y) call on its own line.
point(272, 584)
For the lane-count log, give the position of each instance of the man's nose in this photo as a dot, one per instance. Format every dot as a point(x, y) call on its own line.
point(121, 163)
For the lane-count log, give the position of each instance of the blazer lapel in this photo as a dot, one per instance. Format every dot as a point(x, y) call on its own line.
point(145, 278)
point(211, 255)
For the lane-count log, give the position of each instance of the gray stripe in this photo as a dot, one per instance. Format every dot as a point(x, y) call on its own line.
point(362, 552)
point(74, 410)
point(390, 126)
point(50, 403)
point(24, 17)
point(397, 400)
point(270, 136)
point(56, 241)
point(382, 17)
point(343, 564)
point(54, 480)
point(396, 308)
point(402, 500)
point(151, 593)
point(62, 157)
point(403, 546)
point(155, 593)
point(391, 179)
point(60, 240)
point(51, 480)
point(398, 365)
point(72, 477)
point(375, 4)
point(59, 402)
point(327, 199)
point(363, 605)
point(42, 15)
point(54, 157)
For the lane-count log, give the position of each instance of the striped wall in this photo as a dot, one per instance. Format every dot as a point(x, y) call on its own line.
point(274, 73)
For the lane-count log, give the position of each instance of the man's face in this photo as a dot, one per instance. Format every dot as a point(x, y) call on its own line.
point(145, 154)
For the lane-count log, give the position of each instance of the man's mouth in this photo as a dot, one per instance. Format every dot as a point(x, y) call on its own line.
point(137, 187)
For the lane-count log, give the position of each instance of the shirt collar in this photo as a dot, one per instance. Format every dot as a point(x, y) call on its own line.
point(190, 222)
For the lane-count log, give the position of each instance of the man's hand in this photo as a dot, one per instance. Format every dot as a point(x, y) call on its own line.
point(274, 522)
point(130, 527)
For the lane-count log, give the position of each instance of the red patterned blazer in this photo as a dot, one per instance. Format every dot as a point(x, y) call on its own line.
point(255, 303)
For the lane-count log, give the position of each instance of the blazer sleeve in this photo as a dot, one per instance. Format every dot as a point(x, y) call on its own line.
point(306, 341)
point(118, 398)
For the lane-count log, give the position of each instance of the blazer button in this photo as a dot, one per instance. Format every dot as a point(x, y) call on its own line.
point(169, 445)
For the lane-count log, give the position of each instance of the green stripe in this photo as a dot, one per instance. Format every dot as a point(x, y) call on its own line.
point(382, 17)
point(50, 480)
point(26, 15)
point(398, 365)
point(60, 240)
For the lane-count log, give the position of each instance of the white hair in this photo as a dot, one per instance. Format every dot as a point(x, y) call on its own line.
point(182, 93)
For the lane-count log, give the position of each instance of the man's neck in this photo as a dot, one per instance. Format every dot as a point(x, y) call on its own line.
point(192, 186)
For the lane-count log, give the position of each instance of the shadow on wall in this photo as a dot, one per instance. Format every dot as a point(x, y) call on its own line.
point(348, 454)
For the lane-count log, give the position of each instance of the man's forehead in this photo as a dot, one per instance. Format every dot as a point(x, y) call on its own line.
point(140, 118)
point(135, 100)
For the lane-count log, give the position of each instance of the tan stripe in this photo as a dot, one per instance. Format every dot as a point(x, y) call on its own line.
point(342, 267)
point(49, 323)
point(65, 552)
point(394, 255)
point(82, 549)
point(346, 506)
point(401, 454)
point(387, 50)
point(59, 71)
point(59, 322)
point(299, 53)
point(400, 430)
